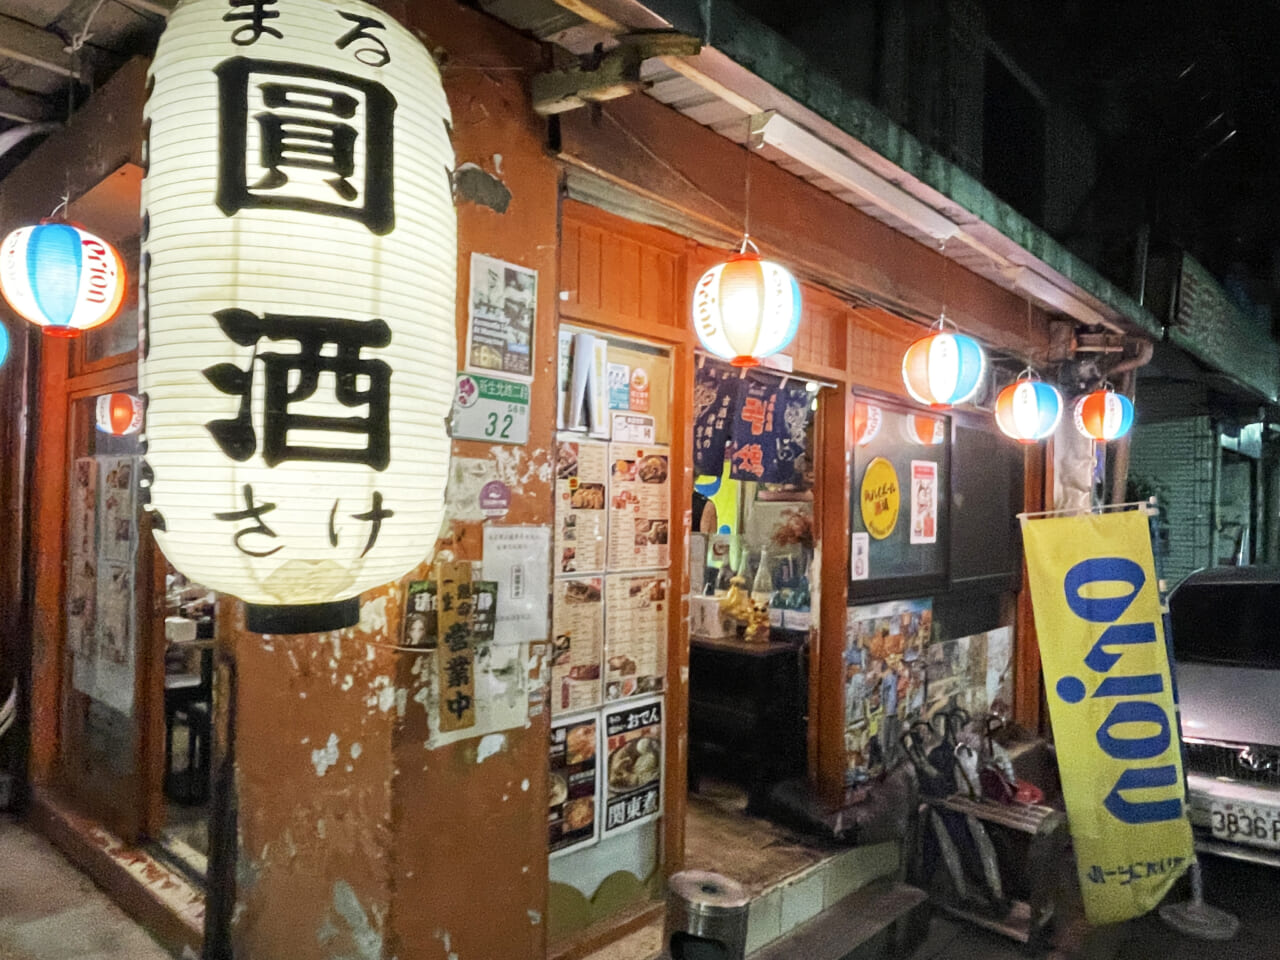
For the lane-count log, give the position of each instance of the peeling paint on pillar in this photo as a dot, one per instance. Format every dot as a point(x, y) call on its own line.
point(389, 850)
point(474, 184)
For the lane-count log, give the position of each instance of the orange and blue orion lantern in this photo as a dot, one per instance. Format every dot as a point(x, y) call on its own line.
point(1028, 409)
point(61, 278)
point(119, 414)
point(944, 368)
point(1104, 415)
point(746, 308)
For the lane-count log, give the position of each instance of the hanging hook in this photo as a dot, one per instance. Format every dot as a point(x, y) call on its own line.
point(66, 201)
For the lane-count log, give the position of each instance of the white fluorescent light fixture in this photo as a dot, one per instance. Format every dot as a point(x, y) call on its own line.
point(1039, 288)
point(815, 153)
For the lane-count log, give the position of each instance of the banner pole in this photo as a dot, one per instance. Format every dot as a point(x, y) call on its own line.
point(1146, 506)
point(1192, 918)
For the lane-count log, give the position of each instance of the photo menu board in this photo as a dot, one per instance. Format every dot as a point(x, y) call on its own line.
point(611, 596)
point(636, 644)
point(582, 476)
point(573, 819)
point(577, 646)
point(639, 507)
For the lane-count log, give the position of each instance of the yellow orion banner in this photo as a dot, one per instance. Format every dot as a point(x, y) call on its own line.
point(1111, 700)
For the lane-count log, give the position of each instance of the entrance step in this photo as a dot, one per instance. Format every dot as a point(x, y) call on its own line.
point(882, 921)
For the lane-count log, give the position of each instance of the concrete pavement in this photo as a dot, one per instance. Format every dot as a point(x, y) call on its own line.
point(49, 910)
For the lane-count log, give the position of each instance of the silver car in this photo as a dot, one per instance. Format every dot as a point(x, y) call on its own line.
point(1225, 625)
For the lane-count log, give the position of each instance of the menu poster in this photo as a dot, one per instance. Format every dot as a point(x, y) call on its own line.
point(114, 610)
point(957, 675)
point(633, 735)
point(636, 643)
point(82, 588)
point(118, 537)
point(1000, 670)
point(582, 473)
point(924, 501)
point(573, 783)
point(577, 645)
point(640, 507)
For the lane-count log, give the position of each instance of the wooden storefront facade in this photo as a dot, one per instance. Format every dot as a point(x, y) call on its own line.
point(401, 848)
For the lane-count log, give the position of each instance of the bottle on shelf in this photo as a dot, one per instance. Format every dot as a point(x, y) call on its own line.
point(762, 585)
point(798, 616)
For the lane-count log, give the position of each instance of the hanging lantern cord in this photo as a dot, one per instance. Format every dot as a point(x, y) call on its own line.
point(746, 205)
point(61, 207)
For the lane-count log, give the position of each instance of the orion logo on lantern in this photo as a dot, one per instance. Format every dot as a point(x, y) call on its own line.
point(1132, 691)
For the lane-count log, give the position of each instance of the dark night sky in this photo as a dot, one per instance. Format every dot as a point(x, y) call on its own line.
point(1165, 84)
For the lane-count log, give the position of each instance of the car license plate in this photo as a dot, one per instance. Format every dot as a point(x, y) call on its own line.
point(1249, 823)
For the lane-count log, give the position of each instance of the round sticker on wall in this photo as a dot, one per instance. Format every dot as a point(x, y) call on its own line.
point(880, 498)
point(495, 499)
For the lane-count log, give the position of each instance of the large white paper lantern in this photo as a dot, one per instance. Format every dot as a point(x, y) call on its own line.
point(298, 341)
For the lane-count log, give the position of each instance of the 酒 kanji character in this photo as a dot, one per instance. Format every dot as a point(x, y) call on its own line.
point(293, 378)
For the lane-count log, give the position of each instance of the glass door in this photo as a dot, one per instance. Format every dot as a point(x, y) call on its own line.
point(107, 702)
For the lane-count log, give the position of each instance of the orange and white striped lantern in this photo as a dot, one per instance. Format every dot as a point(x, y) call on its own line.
point(119, 414)
point(943, 369)
point(746, 308)
point(1028, 410)
point(925, 431)
point(1104, 415)
point(867, 420)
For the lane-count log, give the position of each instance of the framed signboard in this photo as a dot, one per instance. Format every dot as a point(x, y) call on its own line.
point(900, 507)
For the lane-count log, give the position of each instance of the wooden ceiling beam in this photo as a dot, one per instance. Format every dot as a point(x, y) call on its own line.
point(23, 42)
point(24, 107)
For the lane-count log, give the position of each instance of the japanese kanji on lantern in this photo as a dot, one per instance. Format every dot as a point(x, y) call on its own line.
point(297, 342)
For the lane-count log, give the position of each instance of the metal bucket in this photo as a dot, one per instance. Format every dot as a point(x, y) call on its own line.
point(706, 917)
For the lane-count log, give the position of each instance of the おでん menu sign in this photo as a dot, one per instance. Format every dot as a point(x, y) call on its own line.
point(298, 276)
point(639, 507)
point(633, 737)
point(573, 780)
